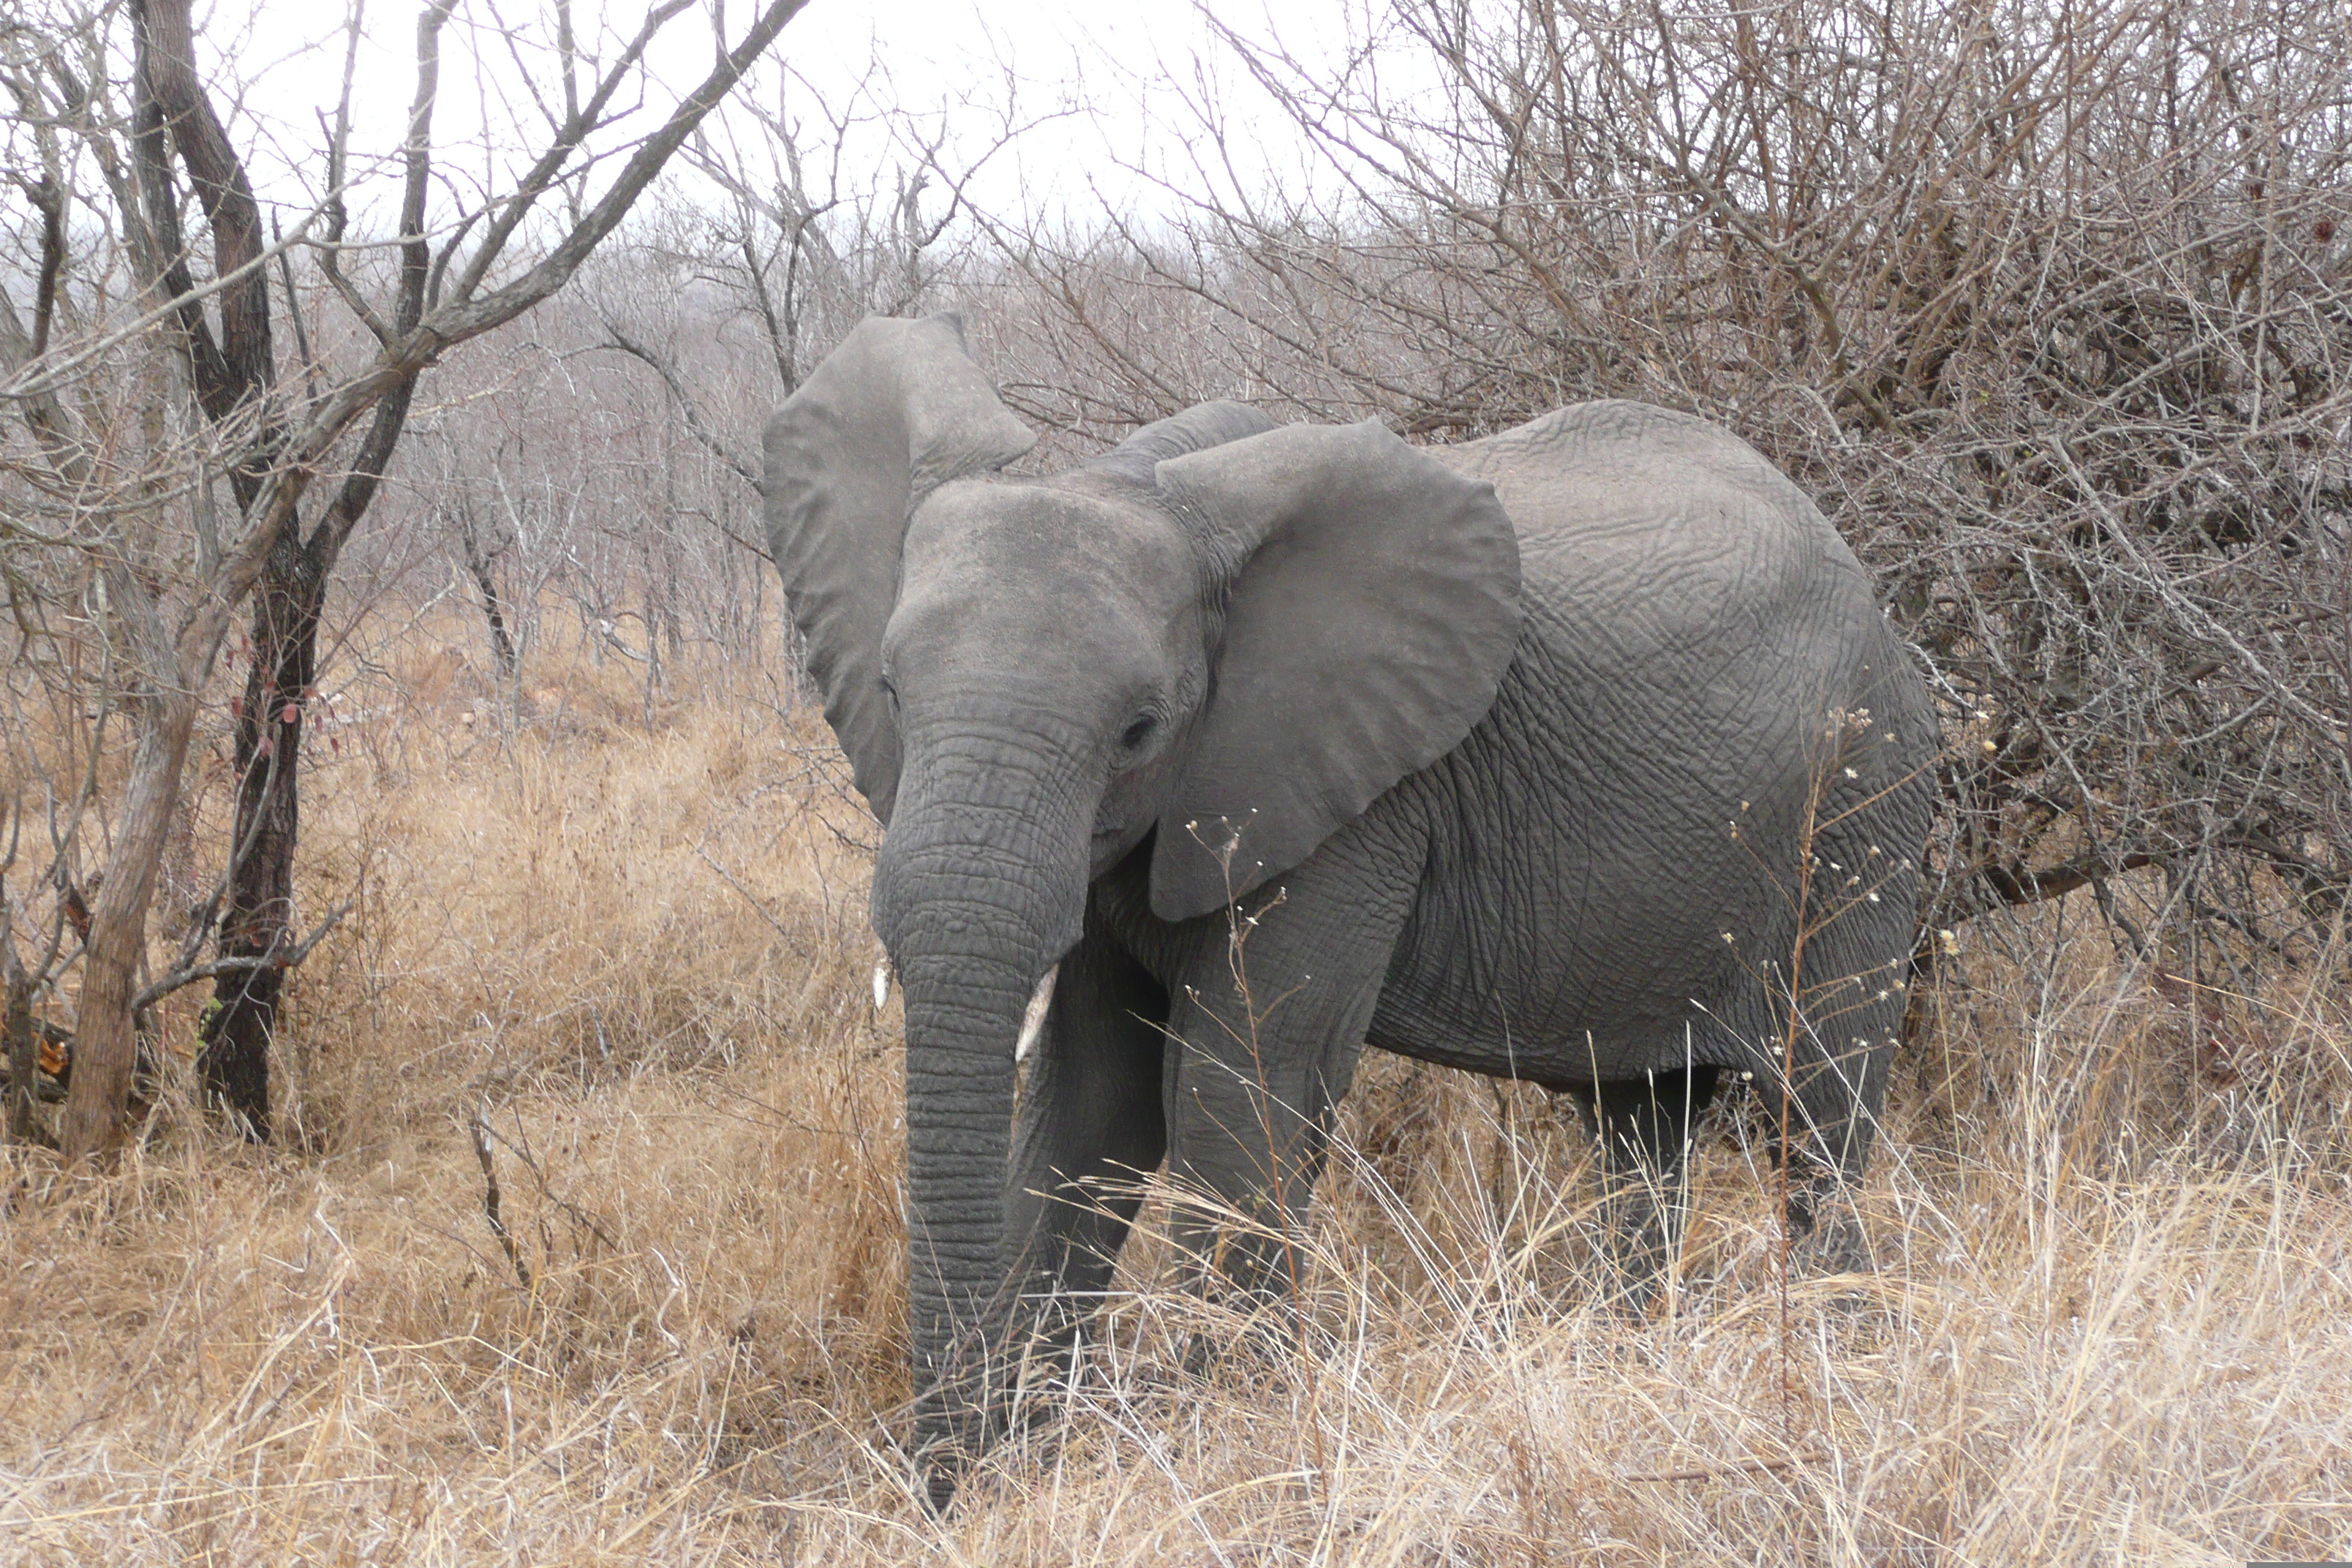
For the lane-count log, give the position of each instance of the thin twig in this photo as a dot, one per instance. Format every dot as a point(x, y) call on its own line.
point(277, 957)
point(491, 1197)
point(1726, 1471)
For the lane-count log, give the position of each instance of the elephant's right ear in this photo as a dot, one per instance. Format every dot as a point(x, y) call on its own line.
point(896, 411)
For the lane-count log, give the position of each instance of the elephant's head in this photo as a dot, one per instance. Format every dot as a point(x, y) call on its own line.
point(1220, 625)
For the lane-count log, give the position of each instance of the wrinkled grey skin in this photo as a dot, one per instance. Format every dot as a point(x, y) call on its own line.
point(1522, 738)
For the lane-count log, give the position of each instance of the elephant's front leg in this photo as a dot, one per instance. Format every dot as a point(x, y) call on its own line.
point(1091, 1131)
point(1268, 1020)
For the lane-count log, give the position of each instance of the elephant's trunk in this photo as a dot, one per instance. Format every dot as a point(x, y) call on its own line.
point(980, 890)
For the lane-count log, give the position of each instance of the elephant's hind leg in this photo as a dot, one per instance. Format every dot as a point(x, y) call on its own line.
point(1825, 1123)
point(1645, 1128)
point(1837, 1056)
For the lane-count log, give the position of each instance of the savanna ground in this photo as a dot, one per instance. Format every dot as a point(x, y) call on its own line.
point(620, 942)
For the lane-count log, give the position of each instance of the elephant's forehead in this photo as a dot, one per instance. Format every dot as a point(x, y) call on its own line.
point(1001, 536)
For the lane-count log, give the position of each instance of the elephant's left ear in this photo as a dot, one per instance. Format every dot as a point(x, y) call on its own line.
point(1372, 605)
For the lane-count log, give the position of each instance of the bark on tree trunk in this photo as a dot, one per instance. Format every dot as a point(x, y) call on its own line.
point(478, 564)
point(257, 921)
point(106, 1045)
point(23, 1048)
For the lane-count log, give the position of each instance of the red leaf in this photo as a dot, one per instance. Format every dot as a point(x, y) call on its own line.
point(291, 713)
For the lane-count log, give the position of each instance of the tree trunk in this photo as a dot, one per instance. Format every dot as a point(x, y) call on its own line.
point(478, 564)
point(16, 1030)
point(258, 922)
point(106, 1043)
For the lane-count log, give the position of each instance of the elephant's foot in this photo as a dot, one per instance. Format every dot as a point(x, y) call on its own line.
point(1825, 1234)
point(1639, 1239)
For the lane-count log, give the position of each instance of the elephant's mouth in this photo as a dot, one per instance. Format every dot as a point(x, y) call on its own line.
point(1113, 843)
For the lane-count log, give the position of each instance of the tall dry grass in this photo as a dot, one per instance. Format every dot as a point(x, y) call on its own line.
point(622, 944)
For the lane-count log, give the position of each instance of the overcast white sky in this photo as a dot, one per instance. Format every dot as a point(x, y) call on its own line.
point(1123, 64)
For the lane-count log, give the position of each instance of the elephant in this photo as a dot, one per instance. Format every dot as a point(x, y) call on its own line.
point(1579, 754)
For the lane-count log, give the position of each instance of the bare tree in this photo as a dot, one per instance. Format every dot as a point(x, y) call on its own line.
point(805, 241)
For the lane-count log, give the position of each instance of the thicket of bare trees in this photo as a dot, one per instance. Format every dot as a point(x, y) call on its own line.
point(610, 462)
point(168, 442)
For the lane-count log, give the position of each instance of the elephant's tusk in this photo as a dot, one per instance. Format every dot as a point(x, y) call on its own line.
point(881, 983)
point(1033, 1022)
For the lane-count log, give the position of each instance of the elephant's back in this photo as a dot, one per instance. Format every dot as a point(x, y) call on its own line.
point(1652, 517)
point(1661, 555)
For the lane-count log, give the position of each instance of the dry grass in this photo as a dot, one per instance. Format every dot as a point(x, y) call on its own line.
point(2111, 1326)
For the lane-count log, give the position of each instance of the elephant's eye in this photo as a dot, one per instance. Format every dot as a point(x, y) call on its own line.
point(1135, 734)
